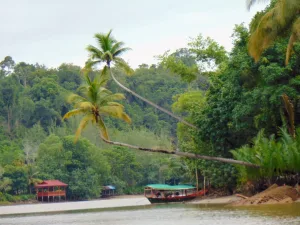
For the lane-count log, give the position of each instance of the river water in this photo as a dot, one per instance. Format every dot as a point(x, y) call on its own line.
point(168, 214)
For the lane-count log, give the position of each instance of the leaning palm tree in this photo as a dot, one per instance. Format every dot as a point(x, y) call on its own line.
point(109, 51)
point(283, 16)
point(95, 101)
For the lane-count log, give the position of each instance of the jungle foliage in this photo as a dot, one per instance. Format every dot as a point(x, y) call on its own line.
point(242, 108)
point(36, 143)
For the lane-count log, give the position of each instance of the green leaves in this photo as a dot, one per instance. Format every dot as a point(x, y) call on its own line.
point(80, 164)
point(177, 66)
point(96, 101)
point(207, 52)
point(204, 55)
point(276, 157)
point(280, 17)
point(108, 51)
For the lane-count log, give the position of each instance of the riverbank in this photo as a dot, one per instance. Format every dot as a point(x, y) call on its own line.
point(114, 202)
point(122, 201)
point(221, 200)
point(216, 200)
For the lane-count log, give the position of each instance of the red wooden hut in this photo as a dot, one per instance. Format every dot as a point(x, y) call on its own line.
point(50, 188)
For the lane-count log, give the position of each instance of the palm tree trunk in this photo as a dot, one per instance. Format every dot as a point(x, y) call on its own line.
point(181, 154)
point(150, 103)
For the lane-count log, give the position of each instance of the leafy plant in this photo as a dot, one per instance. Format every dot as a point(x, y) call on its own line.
point(276, 157)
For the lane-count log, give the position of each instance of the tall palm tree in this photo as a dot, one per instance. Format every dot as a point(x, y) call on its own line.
point(283, 16)
point(95, 102)
point(109, 51)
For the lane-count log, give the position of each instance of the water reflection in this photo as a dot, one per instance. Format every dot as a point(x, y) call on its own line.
point(169, 214)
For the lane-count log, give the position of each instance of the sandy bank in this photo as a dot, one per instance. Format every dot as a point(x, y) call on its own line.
point(219, 200)
point(69, 206)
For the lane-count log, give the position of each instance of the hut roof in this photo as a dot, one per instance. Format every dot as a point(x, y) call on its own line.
point(51, 183)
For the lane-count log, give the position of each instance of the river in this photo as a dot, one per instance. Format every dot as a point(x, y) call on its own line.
point(168, 214)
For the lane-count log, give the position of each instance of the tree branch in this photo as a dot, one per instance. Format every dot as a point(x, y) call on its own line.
point(181, 154)
point(151, 103)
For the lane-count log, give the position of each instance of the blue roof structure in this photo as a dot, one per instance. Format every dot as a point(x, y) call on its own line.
point(109, 187)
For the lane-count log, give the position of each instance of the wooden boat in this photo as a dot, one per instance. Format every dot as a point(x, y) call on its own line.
point(163, 193)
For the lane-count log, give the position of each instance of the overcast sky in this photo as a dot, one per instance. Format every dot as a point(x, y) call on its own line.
point(51, 32)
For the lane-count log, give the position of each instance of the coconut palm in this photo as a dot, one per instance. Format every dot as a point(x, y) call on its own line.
point(283, 16)
point(109, 51)
point(95, 102)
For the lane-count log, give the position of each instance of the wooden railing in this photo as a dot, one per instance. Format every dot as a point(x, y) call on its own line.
point(52, 193)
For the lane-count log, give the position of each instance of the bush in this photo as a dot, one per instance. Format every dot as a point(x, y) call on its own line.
point(9, 197)
point(133, 190)
point(4, 198)
point(276, 158)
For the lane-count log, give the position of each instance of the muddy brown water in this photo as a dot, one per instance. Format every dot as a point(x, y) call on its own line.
point(168, 214)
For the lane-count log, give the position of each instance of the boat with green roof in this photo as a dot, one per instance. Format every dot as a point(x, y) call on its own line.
point(163, 193)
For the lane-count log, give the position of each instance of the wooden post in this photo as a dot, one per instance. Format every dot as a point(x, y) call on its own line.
point(197, 182)
point(65, 194)
point(204, 185)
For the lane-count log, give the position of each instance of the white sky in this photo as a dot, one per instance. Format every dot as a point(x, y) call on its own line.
point(52, 32)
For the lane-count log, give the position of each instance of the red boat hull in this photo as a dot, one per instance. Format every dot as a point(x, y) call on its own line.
point(172, 199)
point(177, 198)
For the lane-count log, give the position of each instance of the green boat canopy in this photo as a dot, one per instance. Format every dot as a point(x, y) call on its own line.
point(167, 187)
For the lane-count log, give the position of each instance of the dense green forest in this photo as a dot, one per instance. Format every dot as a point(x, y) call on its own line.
point(242, 108)
point(37, 144)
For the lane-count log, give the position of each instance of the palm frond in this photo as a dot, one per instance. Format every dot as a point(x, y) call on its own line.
point(120, 63)
point(113, 97)
point(108, 56)
point(87, 79)
point(95, 53)
point(120, 51)
point(105, 41)
point(103, 129)
point(250, 3)
point(74, 98)
point(116, 46)
point(264, 35)
point(116, 112)
point(113, 111)
point(85, 106)
point(293, 38)
point(108, 35)
point(85, 120)
point(104, 92)
point(101, 39)
point(104, 76)
point(126, 118)
point(73, 112)
point(90, 63)
point(273, 24)
point(114, 104)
